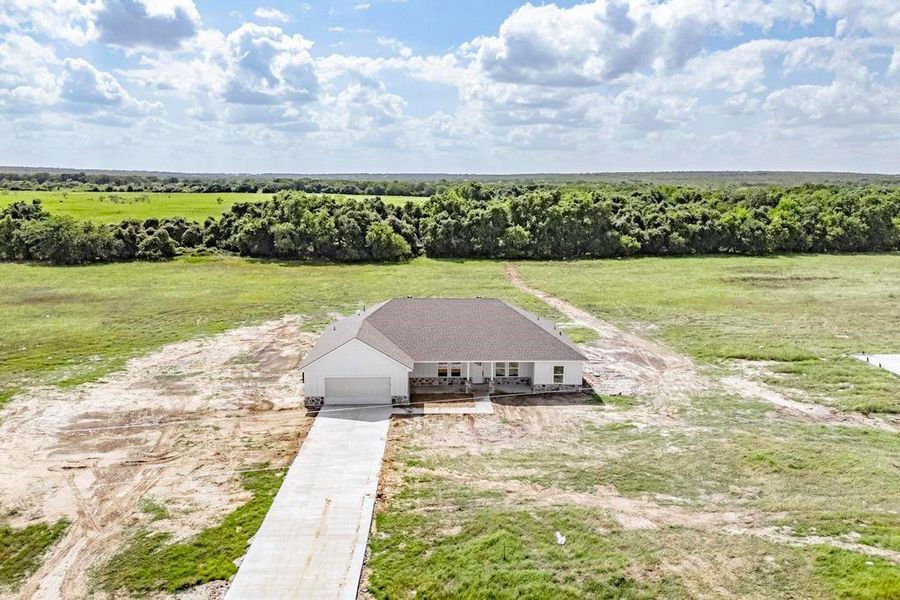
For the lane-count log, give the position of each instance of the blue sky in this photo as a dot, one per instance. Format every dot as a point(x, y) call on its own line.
point(464, 86)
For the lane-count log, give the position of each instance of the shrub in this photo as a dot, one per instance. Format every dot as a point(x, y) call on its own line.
point(157, 246)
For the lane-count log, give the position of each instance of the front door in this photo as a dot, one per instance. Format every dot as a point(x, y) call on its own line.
point(476, 373)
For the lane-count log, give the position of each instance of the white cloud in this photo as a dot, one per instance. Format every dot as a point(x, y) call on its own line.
point(86, 89)
point(28, 77)
point(875, 17)
point(603, 41)
point(846, 102)
point(33, 79)
point(148, 23)
point(613, 80)
point(271, 14)
point(267, 66)
point(68, 20)
point(894, 67)
point(198, 67)
point(395, 45)
point(740, 104)
point(365, 107)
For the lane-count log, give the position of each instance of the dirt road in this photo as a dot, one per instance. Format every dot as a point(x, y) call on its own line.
point(174, 427)
point(626, 363)
point(629, 364)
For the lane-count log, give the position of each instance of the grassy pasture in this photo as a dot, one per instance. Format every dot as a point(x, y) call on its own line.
point(804, 313)
point(457, 527)
point(69, 325)
point(441, 539)
point(112, 207)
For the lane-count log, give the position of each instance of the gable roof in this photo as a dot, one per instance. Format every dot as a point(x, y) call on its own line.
point(411, 330)
point(355, 327)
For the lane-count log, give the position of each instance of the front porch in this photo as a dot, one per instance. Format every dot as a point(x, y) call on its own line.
point(469, 377)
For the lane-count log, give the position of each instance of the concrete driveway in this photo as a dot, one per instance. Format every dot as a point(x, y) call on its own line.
point(313, 540)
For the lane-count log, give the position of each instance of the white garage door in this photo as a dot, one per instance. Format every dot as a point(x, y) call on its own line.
point(357, 390)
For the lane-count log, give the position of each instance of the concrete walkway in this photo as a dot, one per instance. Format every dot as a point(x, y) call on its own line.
point(482, 406)
point(313, 540)
point(888, 362)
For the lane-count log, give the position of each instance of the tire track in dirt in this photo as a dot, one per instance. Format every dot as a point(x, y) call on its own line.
point(627, 363)
point(174, 426)
point(649, 360)
point(631, 364)
point(815, 412)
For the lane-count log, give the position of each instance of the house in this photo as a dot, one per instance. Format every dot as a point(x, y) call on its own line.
point(378, 355)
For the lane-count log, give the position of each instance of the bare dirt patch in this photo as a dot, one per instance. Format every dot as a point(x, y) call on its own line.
point(747, 384)
point(175, 427)
point(625, 363)
point(447, 400)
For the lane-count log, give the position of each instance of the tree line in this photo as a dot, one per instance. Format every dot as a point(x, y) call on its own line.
point(127, 182)
point(473, 220)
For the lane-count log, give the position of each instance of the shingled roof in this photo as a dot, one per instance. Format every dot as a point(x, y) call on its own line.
point(411, 330)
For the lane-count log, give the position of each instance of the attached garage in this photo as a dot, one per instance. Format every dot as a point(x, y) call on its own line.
point(357, 390)
point(353, 372)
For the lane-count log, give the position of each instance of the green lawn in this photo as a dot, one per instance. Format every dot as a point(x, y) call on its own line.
point(21, 549)
point(69, 325)
point(112, 207)
point(806, 313)
point(153, 562)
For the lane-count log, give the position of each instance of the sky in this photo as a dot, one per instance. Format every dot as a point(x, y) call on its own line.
point(461, 86)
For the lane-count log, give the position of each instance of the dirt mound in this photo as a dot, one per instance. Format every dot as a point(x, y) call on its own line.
point(174, 427)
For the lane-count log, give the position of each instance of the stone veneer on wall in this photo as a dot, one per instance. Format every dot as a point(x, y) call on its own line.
point(313, 401)
point(437, 381)
point(556, 387)
point(512, 380)
point(316, 402)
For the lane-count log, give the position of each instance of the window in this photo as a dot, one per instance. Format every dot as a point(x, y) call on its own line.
point(502, 369)
point(559, 373)
point(455, 369)
point(442, 370)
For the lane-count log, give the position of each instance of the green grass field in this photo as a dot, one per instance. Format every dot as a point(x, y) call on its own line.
point(68, 325)
point(440, 538)
point(112, 207)
point(21, 550)
point(804, 313)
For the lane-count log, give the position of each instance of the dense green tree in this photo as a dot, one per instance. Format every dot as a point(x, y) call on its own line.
point(532, 220)
point(157, 246)
point(386, 245)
